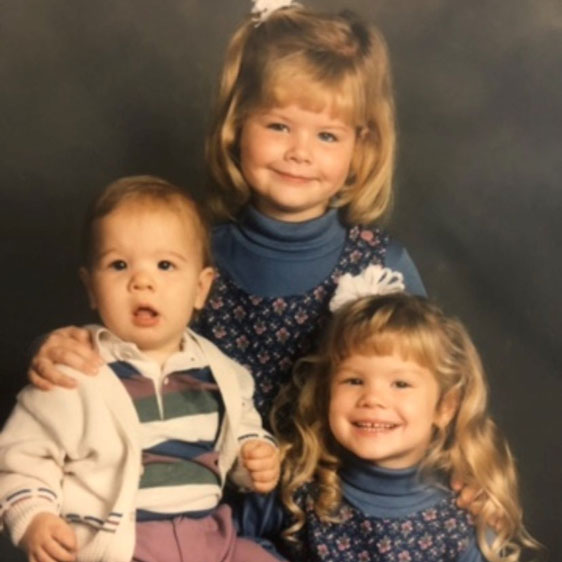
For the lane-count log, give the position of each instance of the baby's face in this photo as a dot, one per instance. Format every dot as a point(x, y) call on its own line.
point(147, 276)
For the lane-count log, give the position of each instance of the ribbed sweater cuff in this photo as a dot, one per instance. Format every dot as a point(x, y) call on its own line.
point(19, 516)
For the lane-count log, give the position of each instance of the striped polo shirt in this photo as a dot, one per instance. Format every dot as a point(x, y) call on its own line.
point(180, 409)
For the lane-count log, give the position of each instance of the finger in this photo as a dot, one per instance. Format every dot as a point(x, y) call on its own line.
point(265, 475)
point(267, 463)
point(78, 356)
point(78, 334)
point(258, 449)
point(65, 535)
point(59, 552)
point(45, 370)
point(41, 555)
point(38, 381)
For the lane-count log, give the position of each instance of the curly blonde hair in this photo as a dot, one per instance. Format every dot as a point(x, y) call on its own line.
point(470, 446)
point(318, 61)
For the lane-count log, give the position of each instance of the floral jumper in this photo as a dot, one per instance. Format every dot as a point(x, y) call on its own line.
point(267, 335)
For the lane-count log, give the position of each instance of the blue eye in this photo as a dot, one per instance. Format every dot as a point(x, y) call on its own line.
point(165, 265)
point(327, 137)
point(118, 265)
point(401, 384)
point(353, 381)
point(281, 127)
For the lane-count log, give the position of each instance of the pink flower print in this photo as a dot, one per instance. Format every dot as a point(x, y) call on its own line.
point(255, 300)
point(279, 306)
point(346, 513)
point(450, 524)
point(367, 527)
point(319, 293)
point(301, 316)
point(259, 328)
point(343, 543)
point(429, 515)
point(406, 528)
point(384, 545)
point(404, 556)
point(425, 542)
point(239, 313)
point(355, 256)
point(367, 235)
point(263, 357)
point(219, 332)
point(285, 364)
point(363, 556)
point(242, 342)
point(282, 335)
point(323, 550)
point(216, 303)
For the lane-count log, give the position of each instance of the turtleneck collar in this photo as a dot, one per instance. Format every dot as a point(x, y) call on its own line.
point(323, 233)
point(383, 492)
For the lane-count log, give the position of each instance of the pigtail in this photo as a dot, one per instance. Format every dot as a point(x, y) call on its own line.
point(473, 448)
point(307, 449)
point(220, 145)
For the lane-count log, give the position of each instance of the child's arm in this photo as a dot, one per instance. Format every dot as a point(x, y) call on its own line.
point(48, 534)
point(33, 447)
point(259, 456)
point(70, 346)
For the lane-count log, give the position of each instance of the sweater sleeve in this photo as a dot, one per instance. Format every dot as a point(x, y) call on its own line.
point(34, 445)
point(250, 426)
point(398, 258)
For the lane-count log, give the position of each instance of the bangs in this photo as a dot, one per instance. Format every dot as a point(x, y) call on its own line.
point(294, 83)
point(407, 334)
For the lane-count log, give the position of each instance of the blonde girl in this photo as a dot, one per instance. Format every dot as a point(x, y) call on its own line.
point(393, 402)
point(301, 152)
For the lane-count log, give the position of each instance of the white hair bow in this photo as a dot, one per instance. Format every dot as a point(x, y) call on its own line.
point(262, 9)
point(375, 280)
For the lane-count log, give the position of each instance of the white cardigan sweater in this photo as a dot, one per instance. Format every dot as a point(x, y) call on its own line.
point(76, 453)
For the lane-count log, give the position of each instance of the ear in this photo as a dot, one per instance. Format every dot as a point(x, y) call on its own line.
point(204, 283)
point(447, 408)
point(87, 280)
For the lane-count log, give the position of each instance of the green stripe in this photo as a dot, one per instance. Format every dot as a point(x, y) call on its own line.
point(189, 403)
point(177, 474)
point(147, 408)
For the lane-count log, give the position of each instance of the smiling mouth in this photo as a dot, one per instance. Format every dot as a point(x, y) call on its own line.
point(375, 426)
point(293, 177)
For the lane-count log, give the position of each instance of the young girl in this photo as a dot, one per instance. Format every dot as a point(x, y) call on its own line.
point(393, 402)
point(302, 154)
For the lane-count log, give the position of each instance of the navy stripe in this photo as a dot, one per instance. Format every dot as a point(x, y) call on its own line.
point(181, 449)
point(123, 369)
point(204, 374)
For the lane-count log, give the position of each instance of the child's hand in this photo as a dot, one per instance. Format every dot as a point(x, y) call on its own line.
point(472, 499)
point(49, 538)
point(70, 346)
point(261, 460)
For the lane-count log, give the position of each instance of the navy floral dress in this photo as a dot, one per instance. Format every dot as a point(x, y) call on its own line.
point(268, 335)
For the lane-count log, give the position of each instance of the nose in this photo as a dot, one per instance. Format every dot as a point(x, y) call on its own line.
point(298, 149)
point(373, 396)
point(141, 281)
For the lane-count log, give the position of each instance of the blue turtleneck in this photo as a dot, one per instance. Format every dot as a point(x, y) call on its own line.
point(272, 258)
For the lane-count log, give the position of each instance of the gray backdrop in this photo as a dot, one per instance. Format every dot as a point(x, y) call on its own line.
point(95, 90)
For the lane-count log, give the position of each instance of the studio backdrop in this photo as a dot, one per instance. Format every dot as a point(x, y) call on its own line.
point(91, 91)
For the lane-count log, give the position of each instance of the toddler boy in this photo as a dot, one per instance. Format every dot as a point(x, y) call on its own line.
point(132, 464)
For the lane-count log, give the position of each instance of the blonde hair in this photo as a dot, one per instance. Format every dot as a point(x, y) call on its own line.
point(470, 446)
point(147, 189)
point(319, 61)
